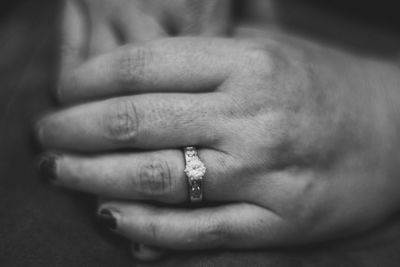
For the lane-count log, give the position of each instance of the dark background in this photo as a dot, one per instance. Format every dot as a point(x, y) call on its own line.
point(44, 226)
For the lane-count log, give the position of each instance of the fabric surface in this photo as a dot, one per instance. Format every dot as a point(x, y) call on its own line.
point(44, 226)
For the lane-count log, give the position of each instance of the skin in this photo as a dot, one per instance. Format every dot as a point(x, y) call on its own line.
point(299, 139)
point(93, 27)
point(90, 28)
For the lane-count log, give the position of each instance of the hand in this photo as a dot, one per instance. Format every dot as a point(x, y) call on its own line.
point(93, 27)
point(300, 142)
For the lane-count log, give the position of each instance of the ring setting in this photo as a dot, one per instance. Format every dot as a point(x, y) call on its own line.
point(195, 171)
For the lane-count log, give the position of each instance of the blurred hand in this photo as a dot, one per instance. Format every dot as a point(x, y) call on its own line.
point(300, 141)
point(93, 27)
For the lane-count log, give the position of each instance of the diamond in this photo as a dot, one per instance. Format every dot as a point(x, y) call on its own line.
point(195, 171)
point(195, 191)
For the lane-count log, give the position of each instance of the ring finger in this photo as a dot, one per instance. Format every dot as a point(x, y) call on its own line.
point(157, 176)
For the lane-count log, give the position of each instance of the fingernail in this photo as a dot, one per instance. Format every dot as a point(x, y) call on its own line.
point(47, 167)
point(107, 219)
point(140, 247)
point(147, 253)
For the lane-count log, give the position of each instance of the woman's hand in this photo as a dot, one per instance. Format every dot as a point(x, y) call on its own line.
point(91, 28)
point(300, 142)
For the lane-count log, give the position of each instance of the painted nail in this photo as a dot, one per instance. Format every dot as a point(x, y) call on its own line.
point(47, 167)
point(107, 219)
point(147, 253)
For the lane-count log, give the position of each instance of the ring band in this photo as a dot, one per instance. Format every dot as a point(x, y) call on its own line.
point(195, 171)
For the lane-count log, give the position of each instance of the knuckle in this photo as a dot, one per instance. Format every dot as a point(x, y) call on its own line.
point(277, 142)
point(260, 55)
point(121, 122)
point(260, 58)
point(155, 179)
point(153, 228)
point(306, 212)
point(132, 66)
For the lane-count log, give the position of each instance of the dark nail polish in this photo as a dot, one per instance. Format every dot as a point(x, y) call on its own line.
point(107, 219)
point(47, 167)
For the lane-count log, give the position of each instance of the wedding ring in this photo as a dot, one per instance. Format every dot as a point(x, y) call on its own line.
point(195, 171)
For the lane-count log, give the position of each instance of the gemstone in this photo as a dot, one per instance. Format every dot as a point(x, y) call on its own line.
point(195, 191)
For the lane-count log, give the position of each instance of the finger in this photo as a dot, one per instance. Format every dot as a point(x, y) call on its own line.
point(102, 38)
point(137, 22)
point(167, 65)
point(210, 18)
point(74, 34)
point(238, 225)
point(85, 33)
point(157, 176)
point(150, 121)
